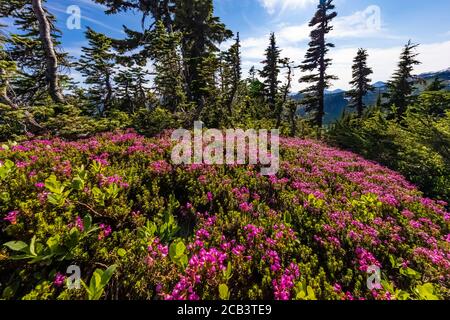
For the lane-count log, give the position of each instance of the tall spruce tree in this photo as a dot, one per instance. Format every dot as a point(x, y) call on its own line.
point(401, 87)
point(316, 62)
point(97, 65)
point(360, 82)
point(202, 32)
point(34, 49)
point(231, 73)
point(132, 90)
point(168, 81)
point(270, 72)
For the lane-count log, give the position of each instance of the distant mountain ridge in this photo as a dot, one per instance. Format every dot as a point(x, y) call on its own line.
point(336, 101)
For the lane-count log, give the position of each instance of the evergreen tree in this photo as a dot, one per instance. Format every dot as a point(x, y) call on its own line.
point(231, 73)
point(202, 32)
point(401, 87)
point(97, 65)
point(7, 71)
point(132, 91)
point(252, 73)
point(270, 72)
point(33, 50)
point(316, 62)
point(360, 83)
point(436, 85)
point(379, 102)
point(169, 81)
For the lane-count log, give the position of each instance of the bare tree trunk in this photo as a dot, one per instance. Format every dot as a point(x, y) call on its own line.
point(50, 54)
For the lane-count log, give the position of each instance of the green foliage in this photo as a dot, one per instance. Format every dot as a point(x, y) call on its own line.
point(98, 282)
point(418, 147)
point(151, 123)
point(401, 88)
point(96, 64)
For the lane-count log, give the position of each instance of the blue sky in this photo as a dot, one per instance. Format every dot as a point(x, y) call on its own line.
point(381, 26)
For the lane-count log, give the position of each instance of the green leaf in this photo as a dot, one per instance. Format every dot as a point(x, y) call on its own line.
point(32, 246)
point(426, 292)
point(107, 274)
point(224, 293)
point(121, 252)
point(17, 246)
point(77, 184)
point(180, 248)
point(87, 222)
point(173, 251)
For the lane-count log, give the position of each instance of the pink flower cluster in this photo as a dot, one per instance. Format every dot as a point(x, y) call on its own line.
point(282, 287)
point(105, 231)
point(156, 251)
point(12, 217)
point(202, 266)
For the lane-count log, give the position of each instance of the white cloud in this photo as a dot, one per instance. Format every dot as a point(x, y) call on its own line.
point(272, 6)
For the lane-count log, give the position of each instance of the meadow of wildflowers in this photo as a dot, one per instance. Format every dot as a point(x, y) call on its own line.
point(213, 232)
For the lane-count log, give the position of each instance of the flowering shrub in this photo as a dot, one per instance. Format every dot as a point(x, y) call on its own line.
point(213, 232)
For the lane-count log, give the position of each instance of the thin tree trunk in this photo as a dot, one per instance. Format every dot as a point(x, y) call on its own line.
point(50, 54)
point(4, 92)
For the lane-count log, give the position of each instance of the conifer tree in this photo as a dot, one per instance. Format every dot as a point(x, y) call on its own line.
point(360, 82)
point(132, 91)
point(97, 65)
point(401, 87)
point(34, 51)
point(231, 73)
point(169, 81)
point(7, 71)
point(270, 72)
point(436, 85)
point(317, 63)
point(202, 32)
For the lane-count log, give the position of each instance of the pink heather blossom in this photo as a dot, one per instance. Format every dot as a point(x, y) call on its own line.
point(209, 196)
point(160, 167)
point(115, 179)
point(203, 265)
point(59, 280)
point(366, 259)
point(12, 217)
point(282, 287)
point(39, 185)
point(102, 159)
point(246, 207)
point(105, 231)
point(252, 232)
point(79, 224)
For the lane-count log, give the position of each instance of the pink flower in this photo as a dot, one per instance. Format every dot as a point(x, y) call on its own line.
point(246, 207)
point(59, 280)
point(79, 224)
point(105, 231)
point(39, 185)
point(12, 217)
point(209, 195)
